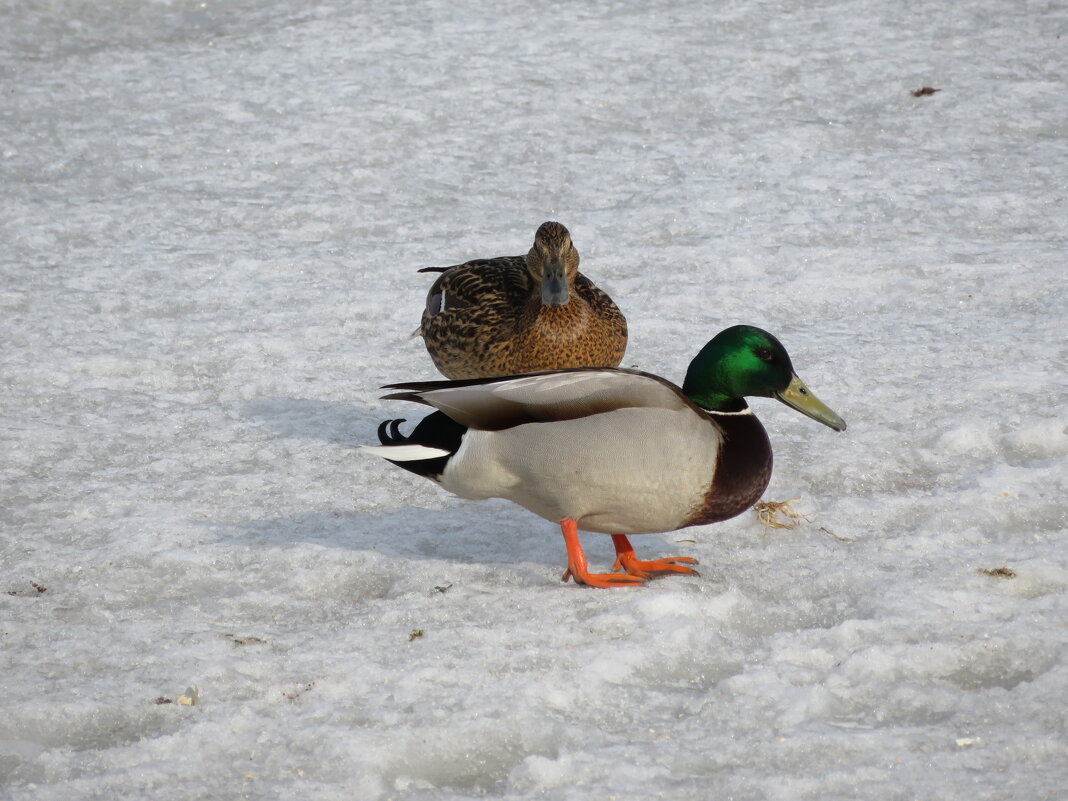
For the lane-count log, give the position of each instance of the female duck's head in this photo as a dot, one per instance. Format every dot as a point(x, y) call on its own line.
point(553, 262)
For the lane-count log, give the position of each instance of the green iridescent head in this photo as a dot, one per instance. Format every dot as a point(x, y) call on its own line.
point(744, 361)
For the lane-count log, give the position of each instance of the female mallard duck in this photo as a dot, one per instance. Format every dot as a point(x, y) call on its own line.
point(611, 450)
point(518, 314)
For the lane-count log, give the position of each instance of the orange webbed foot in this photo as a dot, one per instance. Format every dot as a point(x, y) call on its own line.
point(626, 559)
point(578, 570)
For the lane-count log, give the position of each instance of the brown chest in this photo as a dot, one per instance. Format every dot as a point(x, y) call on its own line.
point(743, 470)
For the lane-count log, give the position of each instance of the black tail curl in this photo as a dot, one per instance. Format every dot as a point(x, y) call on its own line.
point(389, 432)
point(436, 430)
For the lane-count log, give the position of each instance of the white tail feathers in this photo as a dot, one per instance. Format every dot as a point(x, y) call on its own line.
point(404, 453)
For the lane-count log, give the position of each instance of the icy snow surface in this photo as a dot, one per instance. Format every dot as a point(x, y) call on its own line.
point(210, 220)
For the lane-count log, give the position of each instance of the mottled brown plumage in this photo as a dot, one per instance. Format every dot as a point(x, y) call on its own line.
point(519, 314)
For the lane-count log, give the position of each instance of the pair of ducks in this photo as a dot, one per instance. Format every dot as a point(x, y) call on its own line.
point(541, 415)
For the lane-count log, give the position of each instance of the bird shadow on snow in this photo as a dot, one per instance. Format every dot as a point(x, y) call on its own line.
point(500, 536)
point(469, 532)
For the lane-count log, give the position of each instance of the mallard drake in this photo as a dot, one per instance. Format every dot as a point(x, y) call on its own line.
point(520, 314)
point(609, 450)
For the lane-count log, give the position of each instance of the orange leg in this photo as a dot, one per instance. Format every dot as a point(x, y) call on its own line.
point(626, 559)
point(576, 563)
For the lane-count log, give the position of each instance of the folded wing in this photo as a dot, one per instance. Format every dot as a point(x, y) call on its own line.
point(492, 404)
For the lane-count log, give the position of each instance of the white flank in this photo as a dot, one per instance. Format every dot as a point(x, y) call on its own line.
point(404, 453)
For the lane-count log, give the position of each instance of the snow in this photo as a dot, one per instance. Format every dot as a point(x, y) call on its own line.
point(211, 220)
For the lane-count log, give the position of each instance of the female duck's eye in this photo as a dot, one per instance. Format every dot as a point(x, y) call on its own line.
point(764, 354)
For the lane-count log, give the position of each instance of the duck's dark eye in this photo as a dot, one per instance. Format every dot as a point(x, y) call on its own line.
point(764, 354)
